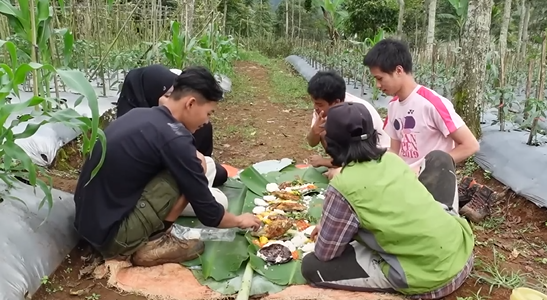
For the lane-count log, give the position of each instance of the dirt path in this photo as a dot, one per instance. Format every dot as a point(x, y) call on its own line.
point(266, 116)
point(251, 127)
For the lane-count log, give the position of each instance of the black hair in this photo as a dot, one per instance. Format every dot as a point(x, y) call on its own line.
point(198, 80)
point(355, 151)
point(328, 86)
point(387, 54)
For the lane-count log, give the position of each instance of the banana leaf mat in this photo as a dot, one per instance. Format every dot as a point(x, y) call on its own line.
point(223, 263)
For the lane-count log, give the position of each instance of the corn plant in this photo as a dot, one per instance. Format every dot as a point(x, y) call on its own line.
point(32, 25)
point(179, 47)
point(16, 163)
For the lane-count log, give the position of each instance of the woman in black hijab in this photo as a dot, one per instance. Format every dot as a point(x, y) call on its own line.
point(143, 87)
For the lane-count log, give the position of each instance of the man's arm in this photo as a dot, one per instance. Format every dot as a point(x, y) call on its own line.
point(466, 144)
point(313, 138)
point(339, 224)
point(395, 146)
point(450, 124)
point(179, 155)
point(395, 143)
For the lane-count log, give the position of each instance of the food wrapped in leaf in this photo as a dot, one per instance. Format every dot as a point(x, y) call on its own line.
point(284, 195)
point(275, 229)
point(288, 206)
point(275, 253)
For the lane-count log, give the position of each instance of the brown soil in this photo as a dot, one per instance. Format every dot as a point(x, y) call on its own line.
point(257, 128)
point(514, 238)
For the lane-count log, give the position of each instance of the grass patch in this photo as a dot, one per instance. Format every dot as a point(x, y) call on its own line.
point(496, 276)
point(287, 87)
point(242, 90)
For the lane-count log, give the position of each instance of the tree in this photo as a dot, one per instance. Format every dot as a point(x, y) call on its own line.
point(471, 83)
point(431, 14)
point(366, 17)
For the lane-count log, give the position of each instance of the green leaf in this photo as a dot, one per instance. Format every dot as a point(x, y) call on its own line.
point(259, 286)
point(12, 50)
point(13, 151)
point(253, 180)
point(76, 81)
point(222, 260)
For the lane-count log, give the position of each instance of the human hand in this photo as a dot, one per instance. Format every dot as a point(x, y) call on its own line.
point(316, 161)
point(319, 126)
point(315, 232)
point(247, 220)
point(331, 172)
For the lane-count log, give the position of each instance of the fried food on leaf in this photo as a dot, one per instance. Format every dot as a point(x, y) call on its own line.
point(288, 206)
point(275, 229)
point(284, 195)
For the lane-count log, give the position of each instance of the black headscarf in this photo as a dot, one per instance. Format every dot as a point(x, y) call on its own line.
point(143, 87)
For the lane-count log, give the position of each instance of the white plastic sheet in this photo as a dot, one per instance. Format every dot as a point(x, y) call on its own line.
point(42, 147)
point(31, 251)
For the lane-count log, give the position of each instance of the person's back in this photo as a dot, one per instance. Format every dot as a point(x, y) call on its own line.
point(423, 246)
point(134, 144)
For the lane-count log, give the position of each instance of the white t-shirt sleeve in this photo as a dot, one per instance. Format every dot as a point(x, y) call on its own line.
point(445, 118)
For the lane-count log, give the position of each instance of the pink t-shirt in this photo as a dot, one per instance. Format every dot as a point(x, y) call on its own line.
point(422, 123)
point(384, 140)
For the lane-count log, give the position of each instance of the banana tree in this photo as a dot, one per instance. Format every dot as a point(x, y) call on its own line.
point(459, 17)
point(334, 15)
point(16, 164)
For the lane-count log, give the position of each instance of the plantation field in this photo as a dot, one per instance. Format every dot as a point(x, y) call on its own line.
point(62, 64)
point(266, 116)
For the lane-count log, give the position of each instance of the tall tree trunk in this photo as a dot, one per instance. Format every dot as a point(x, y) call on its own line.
point(503, 65)
point(505, 27)
point(525, 28)
point(471, 83)
point(401, 18)
point(287, 18)
point(225, 17)
point(522, 12)
point(292, 19)
point(432, 12)
point(189, 22)
point(299, 18)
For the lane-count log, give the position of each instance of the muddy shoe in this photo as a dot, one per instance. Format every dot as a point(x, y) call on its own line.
point(466, 190)
point(480, 205)
point(167, 249)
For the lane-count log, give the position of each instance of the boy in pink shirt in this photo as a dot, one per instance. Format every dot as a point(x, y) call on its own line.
point(419, 121)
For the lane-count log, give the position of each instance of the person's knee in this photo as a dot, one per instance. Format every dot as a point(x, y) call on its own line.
point(221, 175)
point(220, 197)
point(439, 158)
point(309, 268)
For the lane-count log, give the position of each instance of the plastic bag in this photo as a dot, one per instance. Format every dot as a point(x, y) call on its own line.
point(204, 233)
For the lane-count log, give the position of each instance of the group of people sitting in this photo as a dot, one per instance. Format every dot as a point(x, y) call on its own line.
point(392, 216)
